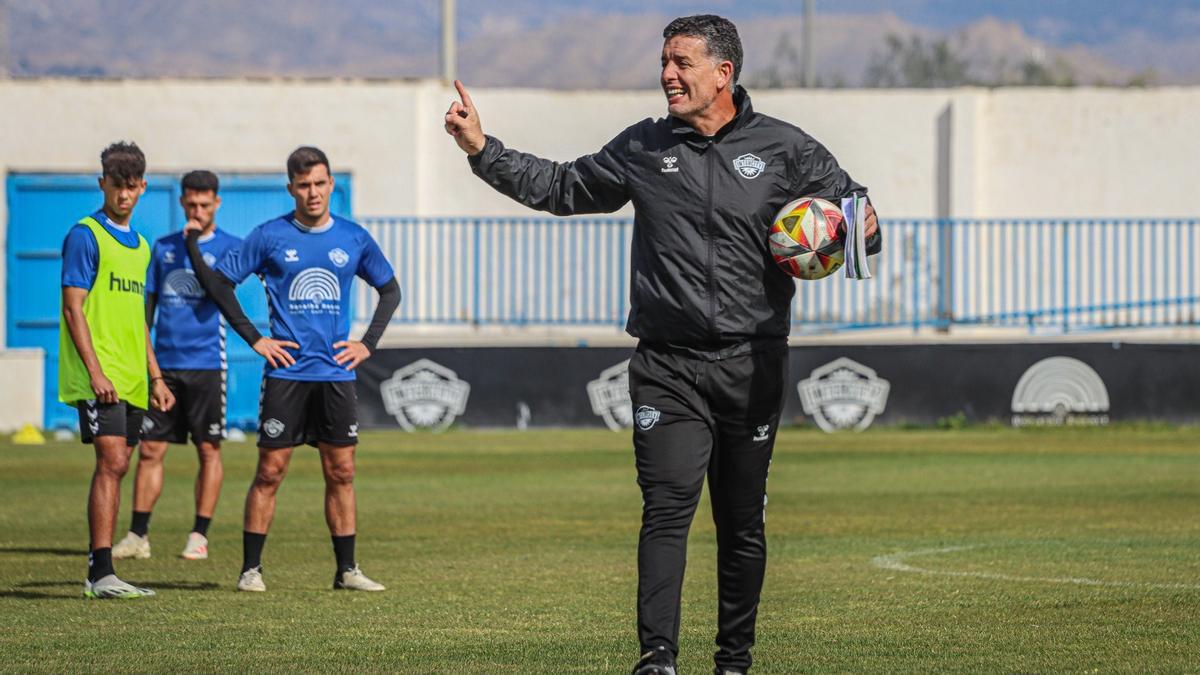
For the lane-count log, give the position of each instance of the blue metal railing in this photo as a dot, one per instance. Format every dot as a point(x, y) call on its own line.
point(1040, 274)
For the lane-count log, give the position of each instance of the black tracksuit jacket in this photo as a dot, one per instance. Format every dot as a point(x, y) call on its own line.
point(702, 274)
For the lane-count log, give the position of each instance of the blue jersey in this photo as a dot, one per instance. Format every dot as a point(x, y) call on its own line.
point(189, 330)
point(81, 253)
point(309, 275)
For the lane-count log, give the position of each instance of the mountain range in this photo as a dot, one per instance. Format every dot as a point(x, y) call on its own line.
point(587, 44)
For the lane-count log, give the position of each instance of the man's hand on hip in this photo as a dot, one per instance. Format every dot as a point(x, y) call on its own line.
point(352, 354)
point(462, 122)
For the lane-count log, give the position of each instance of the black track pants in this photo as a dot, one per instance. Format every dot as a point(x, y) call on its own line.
point(695, 415)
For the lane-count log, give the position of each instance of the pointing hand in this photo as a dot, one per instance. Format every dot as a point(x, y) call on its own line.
point(462, 122)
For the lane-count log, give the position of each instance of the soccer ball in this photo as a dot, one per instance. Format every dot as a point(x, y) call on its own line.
point(807, 239)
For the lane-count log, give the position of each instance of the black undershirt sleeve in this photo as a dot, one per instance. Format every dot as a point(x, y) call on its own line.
point(151, 303)
point(220, 289)
point(389, 300)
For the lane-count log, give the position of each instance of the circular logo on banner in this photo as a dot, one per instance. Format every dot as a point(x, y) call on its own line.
point(1058, 391)
point(843, 394)
point(609, 395)
point(424, 395)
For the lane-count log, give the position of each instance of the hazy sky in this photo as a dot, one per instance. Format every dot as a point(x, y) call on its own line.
point(1082, 21)
point(52, 36)
point(1137, 34)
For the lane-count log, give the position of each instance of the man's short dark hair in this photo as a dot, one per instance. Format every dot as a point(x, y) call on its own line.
point(719, 34)
point(123, 162)
point(303, 159)
point(200, 181)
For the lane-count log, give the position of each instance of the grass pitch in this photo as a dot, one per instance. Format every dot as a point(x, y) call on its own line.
point(900, 551)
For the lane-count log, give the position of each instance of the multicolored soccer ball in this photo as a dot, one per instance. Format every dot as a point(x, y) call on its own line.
point(807, 238)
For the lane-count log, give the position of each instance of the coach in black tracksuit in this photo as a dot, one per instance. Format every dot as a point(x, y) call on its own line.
point(709, 307)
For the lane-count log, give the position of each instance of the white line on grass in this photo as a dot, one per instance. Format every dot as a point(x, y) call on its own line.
point(895, 562)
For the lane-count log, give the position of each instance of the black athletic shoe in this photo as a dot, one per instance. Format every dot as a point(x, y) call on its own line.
point(657, 661)
point(727, 671)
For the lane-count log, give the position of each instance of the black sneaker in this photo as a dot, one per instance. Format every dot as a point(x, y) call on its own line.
point(657, 661)
point(727, 671)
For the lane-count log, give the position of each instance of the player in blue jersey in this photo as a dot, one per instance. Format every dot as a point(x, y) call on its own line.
point(308, 260)
point(190, 344)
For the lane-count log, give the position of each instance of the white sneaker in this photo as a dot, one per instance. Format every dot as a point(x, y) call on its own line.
point(355, 580)
point(197, 547)
point(132, 546)
point(251, 580)
point(111, 587)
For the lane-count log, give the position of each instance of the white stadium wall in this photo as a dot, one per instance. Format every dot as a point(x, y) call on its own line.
point(21, 395)
point(1103, 153)
point(924, 153)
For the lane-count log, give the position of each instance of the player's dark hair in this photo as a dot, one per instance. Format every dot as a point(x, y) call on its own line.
point(303, 159)
point(719, 34)
point(123, 162)
point(200, 181)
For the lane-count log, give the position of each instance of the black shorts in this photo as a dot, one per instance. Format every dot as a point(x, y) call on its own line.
point(294, 412)
point(109, 419)
point(199, 409)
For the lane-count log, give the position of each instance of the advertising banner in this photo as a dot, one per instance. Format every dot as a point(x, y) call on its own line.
point(835, 388)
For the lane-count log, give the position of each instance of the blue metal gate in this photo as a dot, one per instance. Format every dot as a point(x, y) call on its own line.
point(42, 207)
point(1045, 275)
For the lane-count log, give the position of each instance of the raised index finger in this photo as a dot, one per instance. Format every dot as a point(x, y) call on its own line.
point(462, 94)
